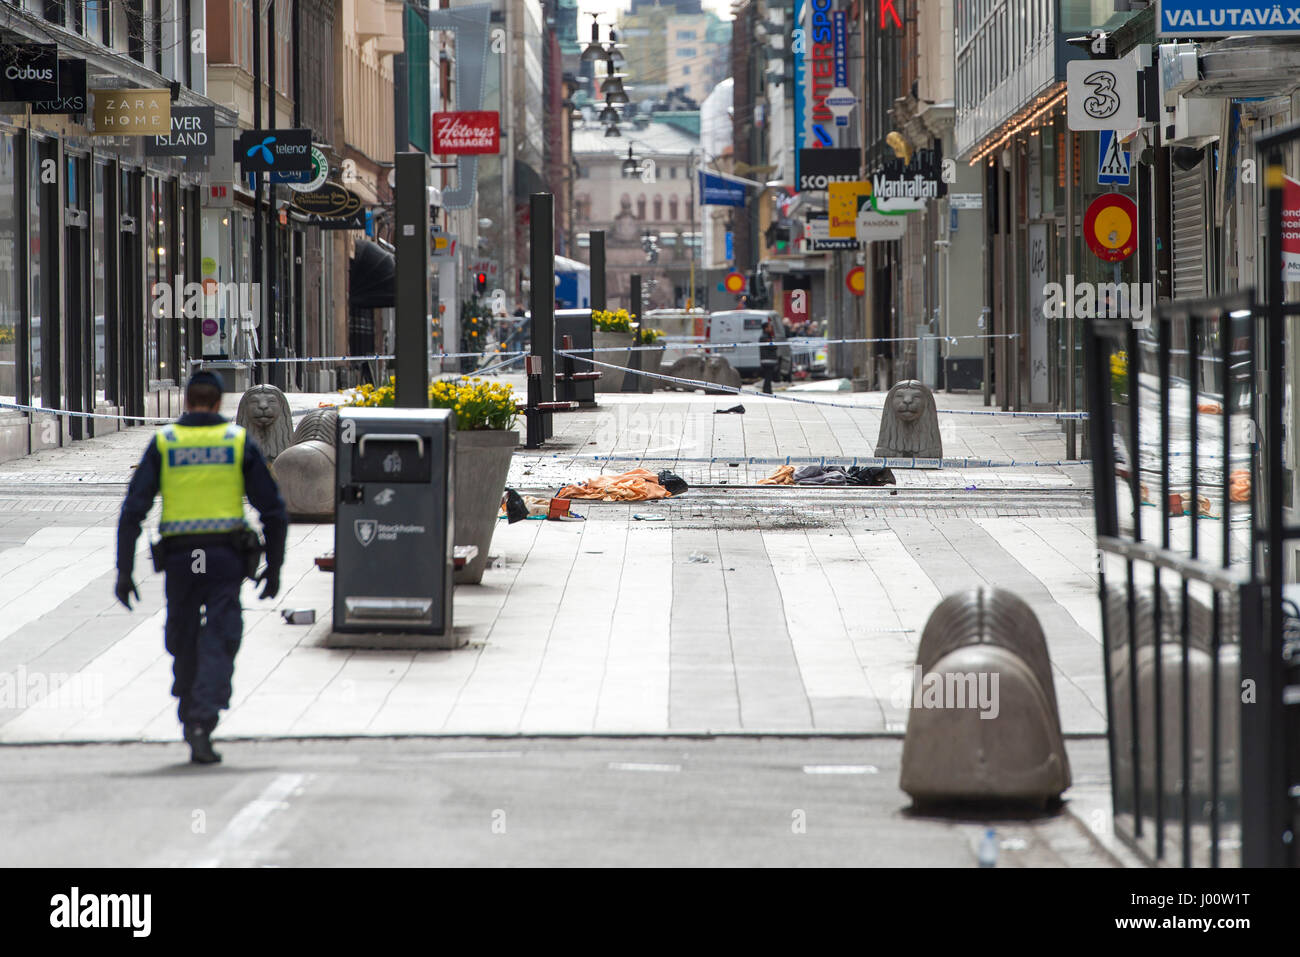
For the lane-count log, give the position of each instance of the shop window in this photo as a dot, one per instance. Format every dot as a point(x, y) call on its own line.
point(672, 208)
point(10, 270)
point(659, 208)
point(98, 282)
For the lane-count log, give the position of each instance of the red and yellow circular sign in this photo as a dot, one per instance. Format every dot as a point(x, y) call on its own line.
point(1110, 227)
point(856, 280)
point(734, 282)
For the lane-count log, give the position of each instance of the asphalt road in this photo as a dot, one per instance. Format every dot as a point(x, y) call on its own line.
point(504, 802)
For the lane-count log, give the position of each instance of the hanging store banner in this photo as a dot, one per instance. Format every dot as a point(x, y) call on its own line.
point(274, 151)
point(1101, 95)
point(331, 207)
point(814, 71)
point(72, 91)
point(1038, 381)
point(899, 187)
point(716, 191)
point(843, 202)
point(819, 236)
point(874, 227)
point(1217, 18)
point(819, 168)
point(475, 58)
point(132, 112)
point(31, 72)
point(1291, 231)
point(193, 133)
point(466, 133)
point(840, 31)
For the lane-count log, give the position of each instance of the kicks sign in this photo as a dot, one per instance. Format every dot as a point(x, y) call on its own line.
point(466, 132)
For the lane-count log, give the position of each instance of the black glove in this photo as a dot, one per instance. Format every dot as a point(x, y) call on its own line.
point(270, 580)
point(125, 588)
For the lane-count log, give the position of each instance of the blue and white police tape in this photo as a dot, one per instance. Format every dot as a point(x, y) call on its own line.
point(781, 396)
point(369, 358)
point(679, 343)
point(824, 461)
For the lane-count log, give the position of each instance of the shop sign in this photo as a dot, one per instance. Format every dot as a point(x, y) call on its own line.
point(72, 91)
point(1291, 230)
point(31, 72)
point(814, 77)
point(819, 237)
point(841, 102)
point(842, 208)
point(874, 227)
point(331, 207)
point(1101, 95)
point(274, 151)
point(320, 171)
point(132, 112)
point(966, 201)
point(840, 29)
point(466, 133)
point(899, 187)
point(1217, 18)
point(193, 133)
point(819, 168)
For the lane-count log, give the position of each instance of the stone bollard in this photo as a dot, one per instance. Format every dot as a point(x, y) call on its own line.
point(909, 426)
point(305, 474)
point(264, 413)
point(984, 723)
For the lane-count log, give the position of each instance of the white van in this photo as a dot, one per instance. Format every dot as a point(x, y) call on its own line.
point(739, 332)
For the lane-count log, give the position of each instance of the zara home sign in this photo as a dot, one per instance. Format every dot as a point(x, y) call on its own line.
point(132, 112)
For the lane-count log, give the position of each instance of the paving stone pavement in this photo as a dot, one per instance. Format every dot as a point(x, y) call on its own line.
point(745, 610)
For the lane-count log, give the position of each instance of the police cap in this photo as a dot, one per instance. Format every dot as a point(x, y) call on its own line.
point(205, 378)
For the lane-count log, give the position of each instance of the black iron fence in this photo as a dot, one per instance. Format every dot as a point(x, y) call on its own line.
point(1202, 741)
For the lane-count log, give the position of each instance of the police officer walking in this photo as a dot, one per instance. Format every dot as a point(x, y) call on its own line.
point(203, 466)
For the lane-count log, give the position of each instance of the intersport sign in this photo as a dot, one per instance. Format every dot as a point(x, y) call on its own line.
point(466, 132)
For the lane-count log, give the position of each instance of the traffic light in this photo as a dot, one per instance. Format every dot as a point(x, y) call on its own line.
point(480, 283)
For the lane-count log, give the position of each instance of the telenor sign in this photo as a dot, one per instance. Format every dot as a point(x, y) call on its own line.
point(466, 132)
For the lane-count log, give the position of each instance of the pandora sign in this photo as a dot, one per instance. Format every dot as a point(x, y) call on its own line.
point(466, 132)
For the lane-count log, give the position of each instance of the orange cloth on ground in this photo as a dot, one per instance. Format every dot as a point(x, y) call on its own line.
point(637, 485)
point(784, 475)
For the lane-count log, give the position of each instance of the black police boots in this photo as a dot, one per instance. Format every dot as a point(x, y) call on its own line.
point(200, 742)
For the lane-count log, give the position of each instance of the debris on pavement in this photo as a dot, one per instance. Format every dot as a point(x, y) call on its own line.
point(698, 558)
point(637, 485)
point(293, 616)
point(642, 517)
point(674, 483)
point(784, 475)
point(514, 505)
point(737, 409)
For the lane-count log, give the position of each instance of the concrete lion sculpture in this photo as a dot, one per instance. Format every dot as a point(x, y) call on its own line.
point(909, 427)
point(264, 412)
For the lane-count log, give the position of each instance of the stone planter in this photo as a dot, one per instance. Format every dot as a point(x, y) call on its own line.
point(8, 371)
point(611, 380)
point(652, 360)
point(481, 466)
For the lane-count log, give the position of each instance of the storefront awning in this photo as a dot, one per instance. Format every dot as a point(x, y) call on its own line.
point(372, 277)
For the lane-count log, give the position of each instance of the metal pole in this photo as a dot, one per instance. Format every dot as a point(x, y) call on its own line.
point(411, 241)
point(263, 351)
point(598, 270)
point(1071, 391)
point(274, 333)
point(541, 235)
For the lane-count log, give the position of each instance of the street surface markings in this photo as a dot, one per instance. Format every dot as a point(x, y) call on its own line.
point(840, 769)
point(250, 818)
point(480, 754)
point(663, 768)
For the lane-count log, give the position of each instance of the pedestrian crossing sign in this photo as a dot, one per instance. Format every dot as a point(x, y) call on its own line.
point(1114, 163)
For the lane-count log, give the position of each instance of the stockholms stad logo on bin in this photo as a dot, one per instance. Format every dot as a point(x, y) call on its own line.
point(368, 530)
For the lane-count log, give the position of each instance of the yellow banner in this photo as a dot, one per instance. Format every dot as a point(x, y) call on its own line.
point(842, 208)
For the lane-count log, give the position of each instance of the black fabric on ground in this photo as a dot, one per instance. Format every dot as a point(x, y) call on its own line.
point(675, 484)
point(820, 475)
point(738, 409)
point(873, 477)
point(516, 507)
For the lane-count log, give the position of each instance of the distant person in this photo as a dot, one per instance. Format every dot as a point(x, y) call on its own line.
point(204, 466)
point(769, 360)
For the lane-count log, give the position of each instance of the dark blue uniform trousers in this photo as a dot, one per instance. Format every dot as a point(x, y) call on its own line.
point(204, 626)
